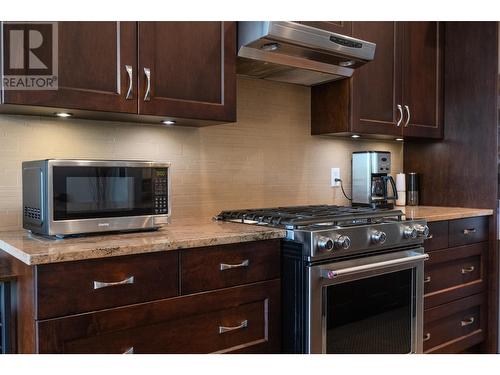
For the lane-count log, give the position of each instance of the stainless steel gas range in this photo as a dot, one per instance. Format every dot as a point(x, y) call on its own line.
point(352, 277)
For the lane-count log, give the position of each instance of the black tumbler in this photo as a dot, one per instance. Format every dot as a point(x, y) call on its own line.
point(412, 189)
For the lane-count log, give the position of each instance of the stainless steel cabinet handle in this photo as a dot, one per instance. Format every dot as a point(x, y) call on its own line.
point(467, 322)
point(129, 350)
point(468, 270)
point(400, 109)
point(128, 68)
point(147, 94)
point(469, 231)
point(407, 118)
point(427, 337)
point(101, 284)
point(243, 324)
point(225, 266)
point(427, 279)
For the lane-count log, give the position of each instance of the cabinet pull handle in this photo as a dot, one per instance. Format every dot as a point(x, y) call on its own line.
point(128, 68)
point(468, 270)
point(147, 94)
point(427, 337)
point(468, 231)
point(467, 322)
point(430, 237)
point(407, 118)
point(243, 324)
point(427, 279)
point(400, 109)
point(102, 284)
point(129, 350)
point(225, 266)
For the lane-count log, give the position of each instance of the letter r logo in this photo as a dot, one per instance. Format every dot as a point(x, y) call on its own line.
point(17, 49)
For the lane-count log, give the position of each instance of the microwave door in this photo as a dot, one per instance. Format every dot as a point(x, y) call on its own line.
point(101, 192)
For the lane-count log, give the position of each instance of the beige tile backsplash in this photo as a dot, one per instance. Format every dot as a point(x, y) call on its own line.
point(268, 158)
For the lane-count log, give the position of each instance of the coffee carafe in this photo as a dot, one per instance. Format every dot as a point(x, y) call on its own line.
point(371, 181)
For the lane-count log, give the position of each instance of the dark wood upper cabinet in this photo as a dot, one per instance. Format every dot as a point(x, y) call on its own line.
point(399, 93)
point(140, 71)
point(191, 69)
point(339, 27)
point(376, 86)
point(92, 74)
point(423, 79)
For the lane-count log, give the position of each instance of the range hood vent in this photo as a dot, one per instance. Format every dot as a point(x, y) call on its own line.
point(294, 53)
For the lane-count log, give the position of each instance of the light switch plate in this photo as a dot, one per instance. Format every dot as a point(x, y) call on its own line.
point(335, 174)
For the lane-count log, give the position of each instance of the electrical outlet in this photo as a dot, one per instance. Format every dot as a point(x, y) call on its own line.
point(335, 174)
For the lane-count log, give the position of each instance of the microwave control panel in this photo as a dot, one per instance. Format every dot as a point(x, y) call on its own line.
point(160, 191)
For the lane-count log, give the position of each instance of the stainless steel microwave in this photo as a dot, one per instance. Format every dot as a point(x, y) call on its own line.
point(64, 197)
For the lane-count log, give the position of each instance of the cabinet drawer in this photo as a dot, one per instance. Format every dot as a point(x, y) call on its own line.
point(455, 326)
point(239, 319)
point(228, 265)
point(466, 231)
point(75, 287)
point(438, 236)
point(454, 273)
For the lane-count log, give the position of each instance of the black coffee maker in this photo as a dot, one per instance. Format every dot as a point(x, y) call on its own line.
point(371, 180)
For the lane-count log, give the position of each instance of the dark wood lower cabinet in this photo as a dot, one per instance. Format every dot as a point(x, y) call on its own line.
point(455, 286)
point(136, 303)
point(69, 288)
point(456, 326)
point(239, 319)
point(454, 273)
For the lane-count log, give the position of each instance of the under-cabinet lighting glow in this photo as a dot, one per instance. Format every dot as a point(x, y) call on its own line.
point(168, 122)
point(355, 136)
point(63, 114)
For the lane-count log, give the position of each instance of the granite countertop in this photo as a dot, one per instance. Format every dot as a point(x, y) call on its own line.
point(32, 249)
point(435, 213)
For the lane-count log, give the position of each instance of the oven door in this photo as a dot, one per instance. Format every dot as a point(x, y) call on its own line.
point(369, 305)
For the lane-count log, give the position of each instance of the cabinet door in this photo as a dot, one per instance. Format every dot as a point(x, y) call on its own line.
point(339, 27)
point(191, 69)
point(422, 58)
point(376, 86)
point(92, 75)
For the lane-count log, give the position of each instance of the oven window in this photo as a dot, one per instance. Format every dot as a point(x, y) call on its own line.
point(99, 192)
point(370, 316)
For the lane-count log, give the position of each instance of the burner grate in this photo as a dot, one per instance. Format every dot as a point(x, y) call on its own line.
point(299, 216)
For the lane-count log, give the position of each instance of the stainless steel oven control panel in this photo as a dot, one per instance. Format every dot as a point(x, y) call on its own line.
point(347, 241)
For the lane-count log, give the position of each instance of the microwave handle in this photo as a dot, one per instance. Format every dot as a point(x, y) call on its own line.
point(42, 197)
point(335, 274)
point(394, 189)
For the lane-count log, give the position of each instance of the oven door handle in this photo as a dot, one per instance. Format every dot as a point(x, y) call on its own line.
point(335, 274)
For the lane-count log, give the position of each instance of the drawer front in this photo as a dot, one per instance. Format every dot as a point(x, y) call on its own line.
point(455, 326)
point(467, 231)
point(229, 265)
point(438, 236)
point(76, 287)
point(239, 319)
point(454, 273)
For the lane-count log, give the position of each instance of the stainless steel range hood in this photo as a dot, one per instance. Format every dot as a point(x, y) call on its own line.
point(295, 53)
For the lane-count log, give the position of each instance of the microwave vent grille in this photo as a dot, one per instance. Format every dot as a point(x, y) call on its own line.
point(32, 213)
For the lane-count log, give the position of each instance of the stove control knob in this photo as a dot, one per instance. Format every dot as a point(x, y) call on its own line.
point(342, 242)
point(409, 233)
point(325, 244)
point(378, 237)
point(422, 230)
